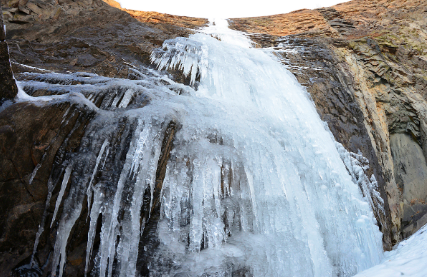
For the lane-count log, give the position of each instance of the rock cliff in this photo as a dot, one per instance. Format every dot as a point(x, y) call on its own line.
point(363, 62)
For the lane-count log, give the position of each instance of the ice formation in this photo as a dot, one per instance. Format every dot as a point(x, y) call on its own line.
point(408, 259)
point(254, 184)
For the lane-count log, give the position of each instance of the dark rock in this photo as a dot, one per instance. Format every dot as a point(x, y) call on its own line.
point(26, 168)
point(8, 88)
point(86, 60)
point(2, 29)
point(411, 177)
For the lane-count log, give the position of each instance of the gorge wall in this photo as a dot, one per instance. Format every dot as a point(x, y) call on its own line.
point(363, 62)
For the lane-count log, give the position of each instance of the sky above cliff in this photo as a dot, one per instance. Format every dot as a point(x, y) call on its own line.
point(225, 8)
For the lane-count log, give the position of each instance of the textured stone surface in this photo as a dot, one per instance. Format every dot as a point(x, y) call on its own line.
point(411, 177)
point(88, 36)
point(22, 200)
point(8, 89)
point(161, 18)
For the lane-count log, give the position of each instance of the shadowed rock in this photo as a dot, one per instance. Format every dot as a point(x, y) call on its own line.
point(8, 88)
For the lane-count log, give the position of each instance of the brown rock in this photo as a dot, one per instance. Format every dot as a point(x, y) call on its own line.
point(32, 139)
point(24, 10)
point(113, 4)
point(13, 3)
point(302, 21)
point(22, 3)
point(33, 7)
point(155, 17)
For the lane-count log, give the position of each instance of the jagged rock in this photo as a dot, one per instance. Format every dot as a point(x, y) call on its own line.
point(89, 36)
point(33, 7)
point(12, 3)
point(24, 10)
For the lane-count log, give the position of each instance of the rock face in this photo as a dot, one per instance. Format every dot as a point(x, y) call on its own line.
point(26, 170)
point(364, 63)
point(36, 139)
point(88, 36)
point(8, 89)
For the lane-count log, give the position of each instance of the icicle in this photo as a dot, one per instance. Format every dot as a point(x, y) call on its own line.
point(63, 233)
point(94, 215)
point(254, 183)
point(50, 187)
point(65, 180)
point(183, 54)
point(126, 98)
point(95, 170)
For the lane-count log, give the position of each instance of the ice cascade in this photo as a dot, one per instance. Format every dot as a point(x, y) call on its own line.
point(253, 184)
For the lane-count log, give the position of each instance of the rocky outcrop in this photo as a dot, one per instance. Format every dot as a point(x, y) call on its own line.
point(161, 18)
point(88, 36)
point(364, 63)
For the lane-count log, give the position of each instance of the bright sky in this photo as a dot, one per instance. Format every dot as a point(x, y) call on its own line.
point(225, 8)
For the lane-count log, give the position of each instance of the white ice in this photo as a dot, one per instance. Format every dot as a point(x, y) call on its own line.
point(266, 177)
point(409, 259)
point(254, 182)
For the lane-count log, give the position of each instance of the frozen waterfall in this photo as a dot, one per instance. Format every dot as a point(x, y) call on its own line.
point(254, 184)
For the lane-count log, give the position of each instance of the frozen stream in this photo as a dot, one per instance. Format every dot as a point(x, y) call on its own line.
point(254, 186)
